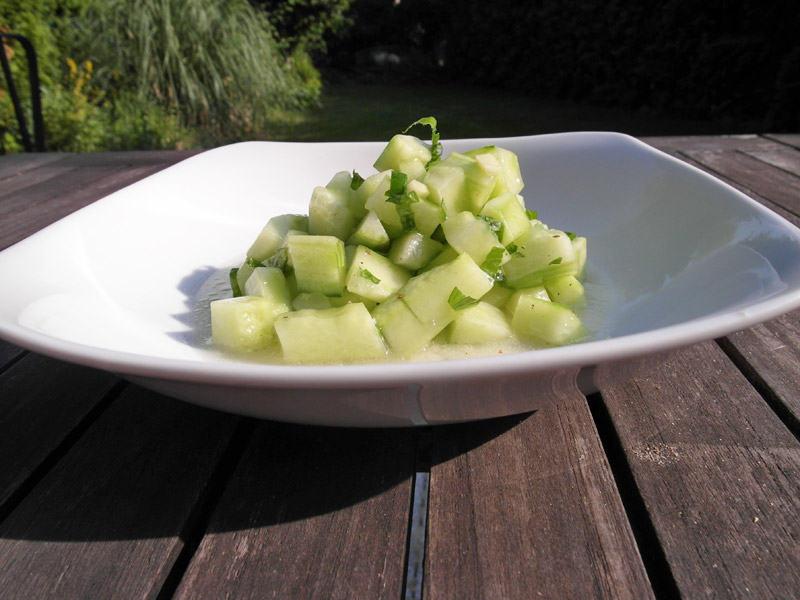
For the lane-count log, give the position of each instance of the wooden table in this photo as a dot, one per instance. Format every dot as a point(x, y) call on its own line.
point(681, 482)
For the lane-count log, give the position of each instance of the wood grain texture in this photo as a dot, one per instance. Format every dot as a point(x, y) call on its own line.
point(14, 165)
point(41, 401)
point(8, 353)
point(718, 472)
point(526, 507)
point(312, 512)
point(81, 180)
point(107, 520)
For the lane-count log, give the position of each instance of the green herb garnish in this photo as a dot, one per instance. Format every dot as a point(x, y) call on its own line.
point(458, 301)
point(491, 264)
point(234, 282)
point(397, 195)
point(436, 145)
point(556, 261)
point(367, 275)
point(531, 214)
point(356, 182)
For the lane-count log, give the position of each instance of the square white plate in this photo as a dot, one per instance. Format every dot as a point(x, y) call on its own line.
point(675, 257)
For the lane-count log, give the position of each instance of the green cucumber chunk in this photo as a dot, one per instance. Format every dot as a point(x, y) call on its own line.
point(270, 283)
point(551, 322)
point(478, 324)
point(414, 250)
point(566, 289)
point(343, 334)
point(403, 331)
point(273, 234)
point(374, 276)
point(371, 233)
point(318, 262)
point(404, 153)
point(467, 233)
point(541, 254)
point(243, 324)
point(509, 179)
point(510, 213)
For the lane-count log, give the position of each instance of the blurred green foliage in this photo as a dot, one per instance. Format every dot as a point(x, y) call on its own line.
point(160, 73)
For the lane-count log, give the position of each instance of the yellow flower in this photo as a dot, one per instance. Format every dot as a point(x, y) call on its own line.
point(73, 68)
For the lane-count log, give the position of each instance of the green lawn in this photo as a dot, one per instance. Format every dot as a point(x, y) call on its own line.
point(376, 111)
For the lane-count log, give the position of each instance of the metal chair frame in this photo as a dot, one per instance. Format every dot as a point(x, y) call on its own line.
point(37, 143)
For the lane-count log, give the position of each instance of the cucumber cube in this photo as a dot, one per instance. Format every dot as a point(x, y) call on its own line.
point(447, 185)
point(428, 294)
point(478, 324)
point(579, 247)
point(272, 235)
point(427, 216)
point(414, 250)
point(270, 283)
point(243, 324)
point(318, 262)
point(479, 178)
point(467, 233)
point(509, 179)
point(333, 335)
point(507, 210)
point(497, 296)
point(566, 289)
point(403, 331)
point(405, 153)
point(528, 295)
point(374, 276)
point(543, 254)
point(370, 233)
point(550, 322)
point(448, 254)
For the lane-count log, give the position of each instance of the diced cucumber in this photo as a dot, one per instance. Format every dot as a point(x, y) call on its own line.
point(405, 153)
point(566, 289)
point(386, 211)
point(243, 324)
point(467, 233)
point(403, 331)
point(447, 185)
point(509, 179)
point(314, 300)
point(414, 250)
point(427, 294)
point(448, 254)
point(270, 283)
point(498, 295)
point(479, 324)
point(528, 295)
point(507, 210)
point(551, 322)
point(374, 276)
point(272, 235)
point(479, 178)
point(370, 233)
point(579, 247)
point(318, 262)
point(427, 216)
point(541, 254)
point(330, 213)
point(332, 335)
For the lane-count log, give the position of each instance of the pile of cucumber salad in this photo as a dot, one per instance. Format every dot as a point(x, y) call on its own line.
point(427, 253)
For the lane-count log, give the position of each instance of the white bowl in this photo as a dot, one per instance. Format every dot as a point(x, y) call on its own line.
point(675, 257)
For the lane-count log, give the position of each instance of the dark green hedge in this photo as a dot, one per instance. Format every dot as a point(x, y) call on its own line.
point(735, 60)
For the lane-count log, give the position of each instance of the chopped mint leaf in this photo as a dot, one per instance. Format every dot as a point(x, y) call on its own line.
point(356, 182)
point(403, 200)
point(491, 264)
point(556, 261)
point(234, 283)
point(278, 260)
point(436, 145)
point(531, 214)
point(458, 301)
point(571, 235)
point(252, 262)
point(513, 250)
point(367, 275)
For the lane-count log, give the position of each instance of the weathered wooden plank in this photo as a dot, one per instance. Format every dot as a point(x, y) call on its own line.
point(107, 520)
point(41, 401)
point(526, 507)
point(717, 143)
point(790, 139)
point(779, 156)
point(769, 355)
point(312, 512)
point(772, 183)
point(8, 352)
point(718, 473)
point(13, 165)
